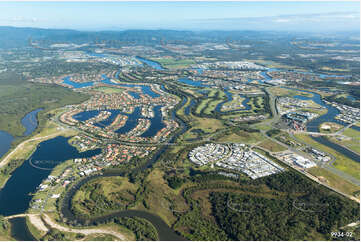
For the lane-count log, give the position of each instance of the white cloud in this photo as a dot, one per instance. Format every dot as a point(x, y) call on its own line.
point(281, 20)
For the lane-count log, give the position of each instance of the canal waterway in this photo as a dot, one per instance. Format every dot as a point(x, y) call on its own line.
point(314, 124)
point(156, 123)
point(146, 89)
point(16, 194)
point(187, 110)
point(132, 120)
point(69, 82)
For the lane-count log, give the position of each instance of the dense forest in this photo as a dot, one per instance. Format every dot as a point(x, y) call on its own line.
point(20, 98)
point(306, 211)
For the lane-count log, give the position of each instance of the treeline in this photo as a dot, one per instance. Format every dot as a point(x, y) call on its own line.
point(11, 166)
point(308, 211)
point(142, 229)
point(57, 235)
point(344, 100)
point(96, 203)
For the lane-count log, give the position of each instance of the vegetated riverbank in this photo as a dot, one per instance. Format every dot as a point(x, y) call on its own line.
point(29, 121)
point(19, 100)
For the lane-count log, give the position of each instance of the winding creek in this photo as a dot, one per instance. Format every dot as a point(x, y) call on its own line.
point(30, 122)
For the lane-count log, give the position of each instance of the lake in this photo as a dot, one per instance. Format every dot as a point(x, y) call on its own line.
point(15, 196)
point(153, 64)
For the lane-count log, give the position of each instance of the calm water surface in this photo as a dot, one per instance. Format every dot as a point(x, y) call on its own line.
point(30, 121)
point(16, 194)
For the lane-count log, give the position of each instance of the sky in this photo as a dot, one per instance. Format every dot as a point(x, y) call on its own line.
point(287, 16)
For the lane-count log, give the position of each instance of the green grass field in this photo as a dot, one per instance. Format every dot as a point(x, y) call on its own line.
point(334, 180)
point(109, 89)
point(212, 106)
point(202, 105)
point(172, 63)
point(212, 99)
point(271, 146)
point(353, 143)
point(241, 137)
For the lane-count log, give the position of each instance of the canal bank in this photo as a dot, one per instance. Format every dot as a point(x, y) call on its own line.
point(314, 124)
point(163, 230)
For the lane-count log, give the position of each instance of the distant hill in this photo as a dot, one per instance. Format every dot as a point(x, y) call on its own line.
point(13, 37)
